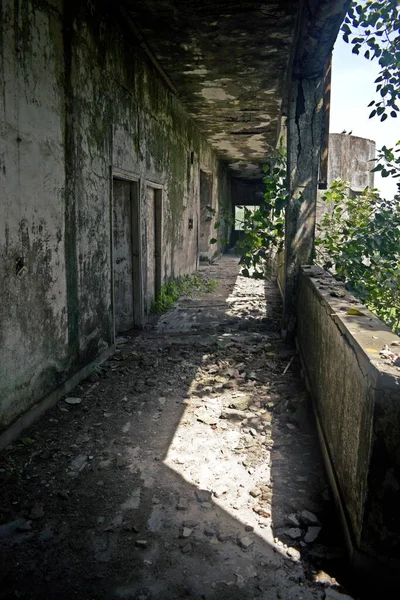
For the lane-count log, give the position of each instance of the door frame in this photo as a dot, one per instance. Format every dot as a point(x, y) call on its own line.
point(158, 233)
point(136, 229)
point(207, 171)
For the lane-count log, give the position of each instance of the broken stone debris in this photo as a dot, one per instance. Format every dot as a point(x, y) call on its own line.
point(245, 542)
point(294, 533)
point(312, 534)
point(308, 517)
point(183, 504)
point(232, 460)
point(73, 401)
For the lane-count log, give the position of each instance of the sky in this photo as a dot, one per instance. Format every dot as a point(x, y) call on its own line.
point(353, 88)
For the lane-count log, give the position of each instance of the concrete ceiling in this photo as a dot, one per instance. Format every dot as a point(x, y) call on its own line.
point(228, 62)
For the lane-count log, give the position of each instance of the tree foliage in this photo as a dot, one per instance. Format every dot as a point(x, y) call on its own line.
point(373, 27)
point(359, 241)
point(264, 229)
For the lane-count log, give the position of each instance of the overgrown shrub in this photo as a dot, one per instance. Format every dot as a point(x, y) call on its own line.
point(359, 241)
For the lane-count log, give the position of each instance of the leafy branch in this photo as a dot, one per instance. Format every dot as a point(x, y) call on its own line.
point(372, 27)
point(359, 242)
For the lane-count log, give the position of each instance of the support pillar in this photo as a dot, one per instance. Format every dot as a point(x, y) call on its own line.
point(305, 125)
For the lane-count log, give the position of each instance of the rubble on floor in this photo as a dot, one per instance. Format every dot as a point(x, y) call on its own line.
point(187, 466)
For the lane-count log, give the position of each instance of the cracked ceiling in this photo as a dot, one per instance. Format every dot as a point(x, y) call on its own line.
point(228, 62)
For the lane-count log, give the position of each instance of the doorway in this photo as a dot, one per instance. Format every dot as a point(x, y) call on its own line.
point(154, 243)
point(127, 276)
point(205, 221)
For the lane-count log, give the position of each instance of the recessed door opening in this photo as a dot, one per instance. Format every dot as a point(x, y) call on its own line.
point(205, 224)
point(127, 277)
point(153, 244)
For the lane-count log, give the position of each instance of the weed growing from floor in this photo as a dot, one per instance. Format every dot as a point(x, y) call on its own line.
point(182, 286)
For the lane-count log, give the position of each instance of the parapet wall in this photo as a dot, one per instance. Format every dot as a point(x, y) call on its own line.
point(356, 396)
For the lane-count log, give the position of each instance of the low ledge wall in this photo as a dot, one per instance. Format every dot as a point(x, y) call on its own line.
point(356, 397)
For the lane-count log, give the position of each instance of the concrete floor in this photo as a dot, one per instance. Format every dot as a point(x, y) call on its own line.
point(187, 468)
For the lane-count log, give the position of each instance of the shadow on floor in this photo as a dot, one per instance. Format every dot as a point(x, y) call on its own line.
point(183, 472)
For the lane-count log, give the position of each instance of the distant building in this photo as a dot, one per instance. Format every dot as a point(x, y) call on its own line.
point(349, 159)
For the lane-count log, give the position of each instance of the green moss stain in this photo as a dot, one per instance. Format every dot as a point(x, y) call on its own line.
point(71, 167)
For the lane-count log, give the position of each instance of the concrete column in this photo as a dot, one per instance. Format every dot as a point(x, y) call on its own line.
point(305, 121)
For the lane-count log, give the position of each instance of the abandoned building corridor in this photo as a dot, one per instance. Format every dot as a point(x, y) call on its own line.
point(186, 467)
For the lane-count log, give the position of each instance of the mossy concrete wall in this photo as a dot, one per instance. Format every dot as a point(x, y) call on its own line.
point(78, 99)
point(356, 395)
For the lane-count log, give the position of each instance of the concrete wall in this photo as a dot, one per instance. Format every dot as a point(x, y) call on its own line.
point(350, 159)
point(78, 99)
point(357, 403)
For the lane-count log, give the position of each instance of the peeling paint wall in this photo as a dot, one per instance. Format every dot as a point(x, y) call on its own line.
point(77, 100)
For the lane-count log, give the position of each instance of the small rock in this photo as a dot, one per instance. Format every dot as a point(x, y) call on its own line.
point(79, 462)
point(141, 543)
point(293, 532)
point(293, 520)
point(249, 528)
point(203, 496)
point(293, 553)
point(205, 417)
point(312, 534)
point(183, 504)
point(191, 523)
point(186, 532)
point(73, 400)
point(308, 517)
point(230, 413)
point(325, 579)
point(255, 492)
point(186, 548)
point(245, 542)
point(263, 512)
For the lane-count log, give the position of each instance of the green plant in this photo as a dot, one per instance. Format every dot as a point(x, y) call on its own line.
point(359, 241)
point(182, 286)
point(263, 228)
point(373, 27)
